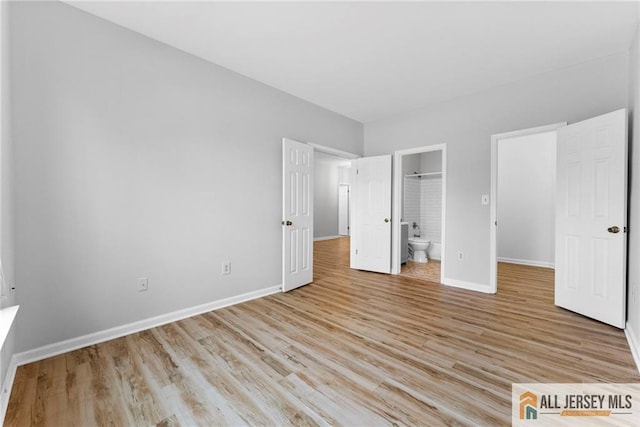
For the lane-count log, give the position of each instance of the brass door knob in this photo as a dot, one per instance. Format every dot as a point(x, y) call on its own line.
point(386, 220)
point(287, 222)
point(614, 229)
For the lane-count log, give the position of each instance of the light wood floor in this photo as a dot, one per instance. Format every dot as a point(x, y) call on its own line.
point(353, 348)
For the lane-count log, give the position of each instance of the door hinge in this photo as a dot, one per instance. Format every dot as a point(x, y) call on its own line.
point(356, 252)
point(357, 171)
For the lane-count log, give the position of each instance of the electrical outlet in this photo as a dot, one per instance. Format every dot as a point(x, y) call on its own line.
point(460, 256)
point(143, 284)
point(226, 267)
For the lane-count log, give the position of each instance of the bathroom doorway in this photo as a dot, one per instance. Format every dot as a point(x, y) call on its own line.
point(419, 206)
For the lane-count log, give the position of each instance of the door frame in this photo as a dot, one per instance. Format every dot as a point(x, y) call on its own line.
point(493, 195)
point(348, 207)
point(396, 206)
point(333, 151)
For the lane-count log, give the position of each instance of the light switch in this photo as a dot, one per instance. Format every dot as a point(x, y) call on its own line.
point(485, 199)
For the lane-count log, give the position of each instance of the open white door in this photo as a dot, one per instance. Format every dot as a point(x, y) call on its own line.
point(297, 214)
point(591, 209)
point(371, 220)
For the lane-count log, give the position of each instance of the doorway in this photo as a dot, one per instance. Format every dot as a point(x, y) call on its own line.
point(590, 215)
point(298, 209)
point(525, 244)
point(526, 200)
point(331, 179)
point(422, 171)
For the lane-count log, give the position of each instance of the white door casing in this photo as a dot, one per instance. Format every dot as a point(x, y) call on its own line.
point(371, 213)
point(297, 214)
point(343, 210)
point(591, 209)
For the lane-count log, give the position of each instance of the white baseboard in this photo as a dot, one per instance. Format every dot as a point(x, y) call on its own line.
point(7, 385)
point(120, 331)
point(478, 287)
point(634, 344)
point(528, 262)
point(317, 239)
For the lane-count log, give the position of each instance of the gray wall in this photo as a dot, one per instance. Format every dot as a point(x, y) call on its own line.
point(466, 125)
point(325, 194)
point(431, 162)
point(6, 186)
point(134, 159)
point(633, 295)
point(526, 199)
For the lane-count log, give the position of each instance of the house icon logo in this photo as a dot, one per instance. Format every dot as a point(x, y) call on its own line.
point(528, 406)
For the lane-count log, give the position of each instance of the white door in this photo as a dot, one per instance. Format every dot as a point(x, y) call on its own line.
point(371, 216)
point(591, 218)
point(343, 210)
point(297, 214)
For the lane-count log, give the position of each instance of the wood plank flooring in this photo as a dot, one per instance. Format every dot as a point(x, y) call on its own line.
point(353, 348)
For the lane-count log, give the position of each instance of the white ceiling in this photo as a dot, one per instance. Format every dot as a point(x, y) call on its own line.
point(371, 60)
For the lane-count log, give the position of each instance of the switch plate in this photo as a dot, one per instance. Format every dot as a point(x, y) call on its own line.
point(226, 267)
point(485, 199)
point(143, 284)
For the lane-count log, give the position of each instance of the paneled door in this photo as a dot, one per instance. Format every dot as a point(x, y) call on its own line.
point(591, 207)
point(371, 225)
point(297, 214)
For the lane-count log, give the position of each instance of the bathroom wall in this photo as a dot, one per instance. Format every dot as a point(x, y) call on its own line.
point(412, 202)
point(431, 208)
point(431, 201)
point(431, 161)
point(410, 165)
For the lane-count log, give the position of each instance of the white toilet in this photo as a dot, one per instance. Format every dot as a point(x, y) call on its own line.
point(418, 249)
